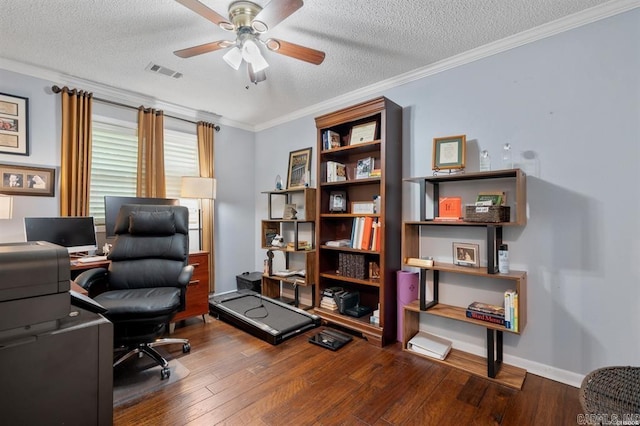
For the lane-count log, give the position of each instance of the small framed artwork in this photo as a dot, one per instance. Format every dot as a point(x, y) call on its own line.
point(363, 133)
point(23, 180)
point(362, 207)
point(466, 254)
point(14, 125)
point(449, 152)
point(299, 168)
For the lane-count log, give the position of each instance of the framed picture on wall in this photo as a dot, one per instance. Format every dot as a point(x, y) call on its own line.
point(24, 180)
point(14, 124)
point(299, 169)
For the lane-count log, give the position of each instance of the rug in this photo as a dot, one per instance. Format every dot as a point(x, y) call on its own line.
point(137, 377)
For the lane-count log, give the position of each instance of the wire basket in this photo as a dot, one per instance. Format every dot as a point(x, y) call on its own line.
point(490, 214)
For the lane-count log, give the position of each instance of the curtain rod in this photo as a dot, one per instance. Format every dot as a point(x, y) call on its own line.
point(57, 89)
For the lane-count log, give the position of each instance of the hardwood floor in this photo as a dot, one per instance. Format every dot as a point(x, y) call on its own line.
point(237, 379)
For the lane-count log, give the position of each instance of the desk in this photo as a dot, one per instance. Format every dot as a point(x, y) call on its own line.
point(197, 302)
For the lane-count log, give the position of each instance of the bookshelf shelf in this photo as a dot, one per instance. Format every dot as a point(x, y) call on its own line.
point(507, 375)
point(386, 152)
point(305, 200)
point(415, 232)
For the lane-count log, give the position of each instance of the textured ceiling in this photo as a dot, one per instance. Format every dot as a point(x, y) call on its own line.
point(111, 42)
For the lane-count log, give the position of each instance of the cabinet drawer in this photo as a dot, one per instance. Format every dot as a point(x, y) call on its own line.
point(197, 302)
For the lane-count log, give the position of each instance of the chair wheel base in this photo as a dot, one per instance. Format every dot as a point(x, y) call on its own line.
point(165, 373)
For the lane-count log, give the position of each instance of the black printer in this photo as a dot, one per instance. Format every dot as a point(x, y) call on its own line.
point(34, 285)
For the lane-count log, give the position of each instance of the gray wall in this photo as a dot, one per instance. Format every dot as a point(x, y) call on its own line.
point(572, 100)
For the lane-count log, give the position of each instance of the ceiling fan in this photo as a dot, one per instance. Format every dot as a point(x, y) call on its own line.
point(249, 21)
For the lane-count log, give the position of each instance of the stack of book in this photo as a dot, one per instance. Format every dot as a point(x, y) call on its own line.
point(336, 172)
point(365, 233)
point(328, 303)
point(486, 312)
point(511, 310)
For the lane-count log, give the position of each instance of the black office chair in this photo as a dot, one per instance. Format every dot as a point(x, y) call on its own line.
point(146, 282)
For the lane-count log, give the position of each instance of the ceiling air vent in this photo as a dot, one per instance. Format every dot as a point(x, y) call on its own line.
point(159, 69)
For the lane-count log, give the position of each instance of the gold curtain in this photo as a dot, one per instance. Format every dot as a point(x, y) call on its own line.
point(205, 158)
point(75, 162)
point(151, 181)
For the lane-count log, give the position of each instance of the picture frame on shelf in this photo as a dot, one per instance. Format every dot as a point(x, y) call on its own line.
point(465, 254)
point(25, 180)
point(362, 207)
point(363, 133)
point(338, 202)
point(14, 124)
point(299, 168)
point(449, 153)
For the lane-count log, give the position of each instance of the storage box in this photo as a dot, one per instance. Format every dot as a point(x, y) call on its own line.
point(249, 281)
point(492, 214)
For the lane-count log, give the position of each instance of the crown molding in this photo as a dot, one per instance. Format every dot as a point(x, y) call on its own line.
point(558, 26)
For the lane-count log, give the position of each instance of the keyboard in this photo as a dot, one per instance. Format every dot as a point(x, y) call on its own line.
point(89, 259)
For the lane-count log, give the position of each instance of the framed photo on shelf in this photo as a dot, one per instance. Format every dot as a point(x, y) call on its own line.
point(338, 202)
point(299, 168)
point(466, 254)
point(14, 124)
point(363, 133)
point(23, 180)
point(449, 152)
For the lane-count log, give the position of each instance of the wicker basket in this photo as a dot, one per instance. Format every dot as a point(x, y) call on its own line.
point(487, 214)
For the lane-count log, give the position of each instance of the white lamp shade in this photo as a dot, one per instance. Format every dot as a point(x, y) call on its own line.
point(6, 206)
point(198, 187)
point(251, 54)
point(233, 57)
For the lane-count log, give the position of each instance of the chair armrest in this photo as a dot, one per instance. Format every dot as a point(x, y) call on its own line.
point(93, 280)
point(185, 275)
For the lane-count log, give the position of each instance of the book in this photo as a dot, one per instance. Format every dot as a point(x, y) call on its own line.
point(336, 172)
point(429, 345)
point(333, 139)
point(364, 167)
point(367, 228)
point(494, 319)
point(486, 308)
point(449, 208)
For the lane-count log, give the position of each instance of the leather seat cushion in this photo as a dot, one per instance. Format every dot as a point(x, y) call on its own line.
point(140, 302)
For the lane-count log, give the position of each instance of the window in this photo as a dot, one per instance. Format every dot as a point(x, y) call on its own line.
point(115, 160)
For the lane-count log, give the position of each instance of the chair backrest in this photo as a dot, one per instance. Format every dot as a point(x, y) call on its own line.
point(151, 246)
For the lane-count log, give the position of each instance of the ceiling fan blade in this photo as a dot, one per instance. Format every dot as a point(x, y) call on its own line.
point(203, 48)
point(295, 51)
point(207, 13)
point(274, 13)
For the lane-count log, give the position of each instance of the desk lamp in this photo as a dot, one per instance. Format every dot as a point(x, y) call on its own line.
point(202, 188)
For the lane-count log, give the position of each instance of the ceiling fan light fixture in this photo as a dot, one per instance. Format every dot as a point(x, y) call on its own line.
point(259, 26)
point(272, 44)
point(251, 54)
point(233, 57)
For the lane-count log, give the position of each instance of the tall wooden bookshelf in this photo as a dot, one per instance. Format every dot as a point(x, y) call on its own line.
point(383, 143)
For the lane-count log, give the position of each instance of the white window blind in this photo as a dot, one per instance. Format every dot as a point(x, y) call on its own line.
point(181, 159)
point(114, 161)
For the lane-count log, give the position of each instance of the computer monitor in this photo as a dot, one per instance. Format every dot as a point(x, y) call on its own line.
point(76, 233)
point(112, 206)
